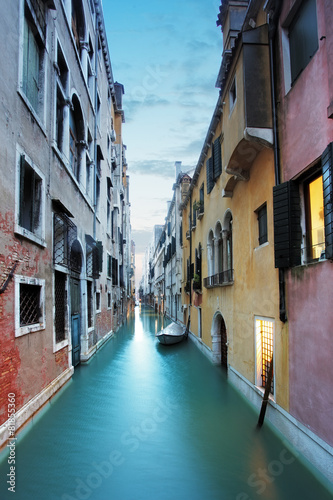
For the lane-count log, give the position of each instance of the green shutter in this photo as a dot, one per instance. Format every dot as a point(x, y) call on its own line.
point(209, 171)
point(327, 160)
point(217, 158)
point(287, 227)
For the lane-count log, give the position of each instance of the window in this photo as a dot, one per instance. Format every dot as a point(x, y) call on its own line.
point(262, 224)
point(30, 297)
point(33, 61)
point(214, 165)
point(109, 266)
point(90, 66)
point(64, 234)
point(314, 210)
point(303, 37)
point(61, 100)
point(90, 306)
point(30, 219)
point(78, 24)
point(109, 300)
point(232, 95)
point(98, 301)
point(60, 305)
point(304, 207)
point(264, 351)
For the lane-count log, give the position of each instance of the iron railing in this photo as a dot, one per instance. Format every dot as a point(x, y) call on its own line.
point(220, 279)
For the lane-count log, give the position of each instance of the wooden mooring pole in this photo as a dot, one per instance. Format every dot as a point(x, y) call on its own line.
point(266, 395)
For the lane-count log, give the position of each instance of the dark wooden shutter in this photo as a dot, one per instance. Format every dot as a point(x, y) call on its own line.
point(326, 161)
point(209, 171)
point(217, 158)
point(287, 227)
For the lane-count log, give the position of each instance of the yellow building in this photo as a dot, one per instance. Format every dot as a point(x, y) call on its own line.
point(230, 284)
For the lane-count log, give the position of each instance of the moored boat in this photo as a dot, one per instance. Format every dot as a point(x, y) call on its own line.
point(172, 334)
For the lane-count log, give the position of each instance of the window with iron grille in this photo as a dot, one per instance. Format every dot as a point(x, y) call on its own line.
point(264, 351)
point(30, 298)
point(64, 234)
point(262, 224)
point(60, 303)
point(30, 311)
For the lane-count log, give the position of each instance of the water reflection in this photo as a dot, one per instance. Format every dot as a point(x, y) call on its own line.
point(144, 421)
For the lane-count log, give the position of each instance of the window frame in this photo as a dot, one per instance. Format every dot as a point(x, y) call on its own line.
point(261, 235)
point(57, 346)
point(37, 236)
point(28, 16)
point(307, 244)
point(288, 23)
point(258, 354)
point(35, 327)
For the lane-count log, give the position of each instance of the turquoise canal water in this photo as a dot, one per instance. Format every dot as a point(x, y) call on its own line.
point(144, 421)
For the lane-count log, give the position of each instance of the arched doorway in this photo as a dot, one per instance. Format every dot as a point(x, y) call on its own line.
point(224, 345)
point(219, 341)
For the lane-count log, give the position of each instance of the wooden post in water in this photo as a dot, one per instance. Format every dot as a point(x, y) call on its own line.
point(266, 395)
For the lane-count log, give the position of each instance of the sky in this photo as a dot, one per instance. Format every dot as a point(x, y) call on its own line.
point(167, 54)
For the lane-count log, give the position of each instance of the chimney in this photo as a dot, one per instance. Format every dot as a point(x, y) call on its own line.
point(178, 166)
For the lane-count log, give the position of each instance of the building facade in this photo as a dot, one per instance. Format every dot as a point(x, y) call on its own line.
point(303, 213)
point(257, 220)
point(64, 203)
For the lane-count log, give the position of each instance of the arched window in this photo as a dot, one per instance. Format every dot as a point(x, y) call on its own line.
point(211, 254)
point(218, 248)
point(227, 244)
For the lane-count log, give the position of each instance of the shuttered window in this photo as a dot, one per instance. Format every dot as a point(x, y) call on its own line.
point(209, 172)
point(287, 227)
point(217, 158)
point(31, 62)
point(327, 167)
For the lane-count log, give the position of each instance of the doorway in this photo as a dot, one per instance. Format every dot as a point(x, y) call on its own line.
point(75, 321)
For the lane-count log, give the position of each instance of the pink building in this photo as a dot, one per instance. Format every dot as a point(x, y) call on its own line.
point(303, 215)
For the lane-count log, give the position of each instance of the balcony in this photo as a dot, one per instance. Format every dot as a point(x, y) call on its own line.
point(200, 213)
point(220, 279)
point(188, 235)
point(197, 287)
point(187, 287)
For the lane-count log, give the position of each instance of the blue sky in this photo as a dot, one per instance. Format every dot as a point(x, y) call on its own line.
point(167, 55)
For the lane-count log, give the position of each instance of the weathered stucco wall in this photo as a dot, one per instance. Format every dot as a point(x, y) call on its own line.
point(311, 330)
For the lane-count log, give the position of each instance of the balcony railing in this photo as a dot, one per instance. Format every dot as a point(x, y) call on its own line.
point(220, 279)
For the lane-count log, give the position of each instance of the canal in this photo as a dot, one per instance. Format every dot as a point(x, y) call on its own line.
point(144, 421)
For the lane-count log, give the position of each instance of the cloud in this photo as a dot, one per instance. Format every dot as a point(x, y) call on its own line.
point(158, 168)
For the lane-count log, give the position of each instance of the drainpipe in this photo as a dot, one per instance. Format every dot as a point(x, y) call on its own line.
point(95, 123)
point(273, 20)
point(190, 253)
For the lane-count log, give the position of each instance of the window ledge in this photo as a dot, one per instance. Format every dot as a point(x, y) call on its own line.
point(21, 231)
point(24, 330)
point(32, 111)
point(263, 245)
point(60, 345)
